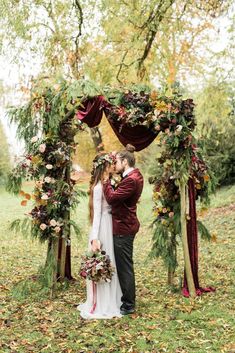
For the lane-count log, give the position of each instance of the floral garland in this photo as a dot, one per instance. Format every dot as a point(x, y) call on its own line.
point(48, 157)
point(52, 195)
point(47, 162)
point(103, 158)
point(172, 119)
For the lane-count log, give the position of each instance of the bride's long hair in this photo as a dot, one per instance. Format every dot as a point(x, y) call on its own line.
point(97, 173)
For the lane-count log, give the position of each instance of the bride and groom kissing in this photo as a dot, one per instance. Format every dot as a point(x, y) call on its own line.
point(114, 225)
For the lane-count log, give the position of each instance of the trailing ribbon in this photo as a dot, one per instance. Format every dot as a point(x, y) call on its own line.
point(94, 300)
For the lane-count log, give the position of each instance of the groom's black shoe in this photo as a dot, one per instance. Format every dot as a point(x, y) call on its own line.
point(124, 310)
point(127, 311)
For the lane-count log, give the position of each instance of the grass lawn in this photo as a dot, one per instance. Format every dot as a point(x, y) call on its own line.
point(164, 321)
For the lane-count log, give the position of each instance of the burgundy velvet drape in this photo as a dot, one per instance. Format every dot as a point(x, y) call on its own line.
point(192, 235)
point(141, 137)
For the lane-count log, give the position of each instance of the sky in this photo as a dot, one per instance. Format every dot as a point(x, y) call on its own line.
point(11, 76)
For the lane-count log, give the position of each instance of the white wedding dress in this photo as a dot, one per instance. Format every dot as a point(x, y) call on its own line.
point(108, 294)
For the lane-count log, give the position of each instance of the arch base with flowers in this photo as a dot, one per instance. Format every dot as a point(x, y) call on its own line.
point(48, 124)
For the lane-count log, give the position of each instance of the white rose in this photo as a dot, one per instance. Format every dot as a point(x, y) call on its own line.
point(47, 179)
point(53, 222)
point(42, 147)
point(43, 226)
point(28, 162)
point(49, 166)
point(99, 266)
point(178, 128)
point(34, 139)
point(44, 197)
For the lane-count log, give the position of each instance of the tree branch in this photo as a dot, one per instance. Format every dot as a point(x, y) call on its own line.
point(79, 13)
point(157, 16)
point(80, 18)
point(121, 65)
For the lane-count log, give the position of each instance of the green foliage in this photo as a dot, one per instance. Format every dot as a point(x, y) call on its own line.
point(220, 153)
point(28, 125)
point(46, 124)
point(215, 113)
point(16, 178)
point(4, 156)
point(22, 226)
point(76, 228)
point(39, 285)
point(202, 229)
point(164, 245)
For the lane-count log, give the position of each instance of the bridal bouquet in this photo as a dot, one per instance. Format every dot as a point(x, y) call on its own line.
point(97, 267)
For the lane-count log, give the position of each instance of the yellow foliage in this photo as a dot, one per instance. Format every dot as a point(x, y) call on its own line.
point(86, 152)
point(110, 140)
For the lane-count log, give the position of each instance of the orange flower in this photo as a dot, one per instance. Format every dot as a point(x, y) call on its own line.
point(24, 203)
point(206, 177)
point(27, 196)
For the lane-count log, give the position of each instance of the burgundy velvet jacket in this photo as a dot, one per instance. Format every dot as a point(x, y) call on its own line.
point(123, 201)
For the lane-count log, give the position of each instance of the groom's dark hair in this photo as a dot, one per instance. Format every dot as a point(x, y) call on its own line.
point(128, 154)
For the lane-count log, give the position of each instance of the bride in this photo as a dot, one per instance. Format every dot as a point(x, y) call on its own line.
point(108, 295)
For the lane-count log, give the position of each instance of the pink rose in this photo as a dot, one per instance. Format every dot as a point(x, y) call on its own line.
point(171, 214)
point(42, 147)
point(44, 197)
point(43, 226)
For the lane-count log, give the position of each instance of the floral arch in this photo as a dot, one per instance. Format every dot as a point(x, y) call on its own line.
point(48, 124)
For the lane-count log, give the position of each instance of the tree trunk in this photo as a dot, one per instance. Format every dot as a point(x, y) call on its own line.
point(170, 277)
point(64, 256)
point(53, 254)
point(97, 139)
point(187, 263)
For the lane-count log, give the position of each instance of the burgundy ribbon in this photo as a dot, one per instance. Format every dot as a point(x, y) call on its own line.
point(94, 297)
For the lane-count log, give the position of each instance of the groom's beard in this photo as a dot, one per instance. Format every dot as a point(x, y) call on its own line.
point(120, 172)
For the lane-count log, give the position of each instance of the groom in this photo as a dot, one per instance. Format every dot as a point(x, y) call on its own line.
point(125, 222)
